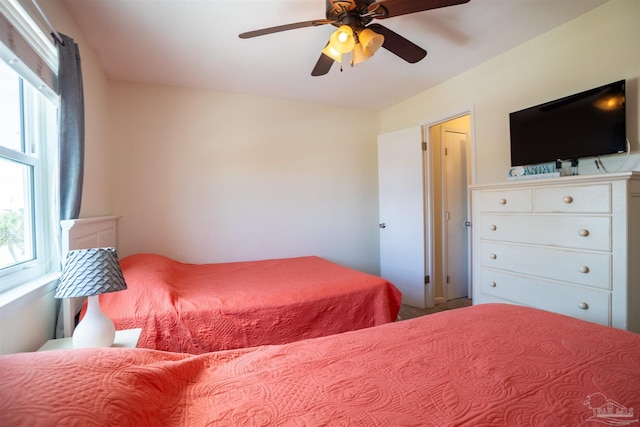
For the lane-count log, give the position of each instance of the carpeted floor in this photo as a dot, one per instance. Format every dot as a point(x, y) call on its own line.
point(408, 312)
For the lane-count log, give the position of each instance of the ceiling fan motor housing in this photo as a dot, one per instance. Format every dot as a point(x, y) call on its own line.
point(349, 12)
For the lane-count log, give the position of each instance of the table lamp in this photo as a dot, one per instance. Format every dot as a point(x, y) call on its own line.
point(89, 273)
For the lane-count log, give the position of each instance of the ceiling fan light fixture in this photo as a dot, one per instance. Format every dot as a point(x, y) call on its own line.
point(342, 39)
point(332, 53)
point(352, 18)
point(370, 41)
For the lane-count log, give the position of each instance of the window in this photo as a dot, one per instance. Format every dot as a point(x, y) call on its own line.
point(28, 155)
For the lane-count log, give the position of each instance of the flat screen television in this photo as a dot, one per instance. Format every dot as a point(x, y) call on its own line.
point(587, 124)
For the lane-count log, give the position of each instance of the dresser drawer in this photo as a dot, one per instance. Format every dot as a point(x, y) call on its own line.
point(570, 231)
point(584, 268)
point(583, 199)
point(576, 301)
point(506, 201)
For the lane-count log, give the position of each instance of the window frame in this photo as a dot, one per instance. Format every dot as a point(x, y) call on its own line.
point(27, 48)
point(38, 118)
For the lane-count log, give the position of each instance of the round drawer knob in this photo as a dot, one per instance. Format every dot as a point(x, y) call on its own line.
point(583, 232)
point(568, 199)
point(583, 269)
point(503, 201)
point(583, 306)
point(493, 256)
point(493, 284)
point(493, 227)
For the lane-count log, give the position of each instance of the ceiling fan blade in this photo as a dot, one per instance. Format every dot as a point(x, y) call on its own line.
point(390, 8)
point(279, 28)
point(398, 45)
point(322, 66)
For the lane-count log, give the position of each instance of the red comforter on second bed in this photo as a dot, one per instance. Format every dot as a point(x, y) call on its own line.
point(483, 366)
point(198, 308)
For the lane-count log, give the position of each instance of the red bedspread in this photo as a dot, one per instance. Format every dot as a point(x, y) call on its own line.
point(197, 308)
point(487, 365)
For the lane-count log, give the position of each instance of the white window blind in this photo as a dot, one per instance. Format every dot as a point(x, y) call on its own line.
point(25, 47)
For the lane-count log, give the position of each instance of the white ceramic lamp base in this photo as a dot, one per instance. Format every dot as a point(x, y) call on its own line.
point(95, 329)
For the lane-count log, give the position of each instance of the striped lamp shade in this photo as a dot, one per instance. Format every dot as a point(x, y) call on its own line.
point(90, 272)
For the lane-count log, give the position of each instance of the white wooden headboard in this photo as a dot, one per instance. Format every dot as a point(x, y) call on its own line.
point(83, 233)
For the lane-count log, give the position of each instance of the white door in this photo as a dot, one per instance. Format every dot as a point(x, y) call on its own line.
point(455, 232)
point(402, 213)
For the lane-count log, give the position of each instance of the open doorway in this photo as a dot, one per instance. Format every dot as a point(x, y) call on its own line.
point(423, 177)
point(451, 174)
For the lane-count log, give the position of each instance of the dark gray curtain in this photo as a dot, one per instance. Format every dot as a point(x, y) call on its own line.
point(71, 128)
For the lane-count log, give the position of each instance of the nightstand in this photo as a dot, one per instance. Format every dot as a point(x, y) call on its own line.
point(127, 338)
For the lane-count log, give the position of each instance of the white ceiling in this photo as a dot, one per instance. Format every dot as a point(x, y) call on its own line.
point(195, 43)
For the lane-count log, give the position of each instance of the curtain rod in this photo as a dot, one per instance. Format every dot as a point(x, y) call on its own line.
point(54, 33)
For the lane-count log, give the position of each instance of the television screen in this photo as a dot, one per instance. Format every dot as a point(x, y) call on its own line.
point(586, 124)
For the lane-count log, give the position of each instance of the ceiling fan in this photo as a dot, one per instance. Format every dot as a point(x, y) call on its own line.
point(357, 35)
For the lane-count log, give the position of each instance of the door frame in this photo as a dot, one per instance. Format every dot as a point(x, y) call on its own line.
point(471, 172)
point(444, 184)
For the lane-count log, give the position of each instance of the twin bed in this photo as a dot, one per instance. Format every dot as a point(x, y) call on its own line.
point(485, 365)
point(198, 308)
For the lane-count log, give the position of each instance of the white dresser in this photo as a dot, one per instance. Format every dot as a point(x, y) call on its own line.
point(569, 245)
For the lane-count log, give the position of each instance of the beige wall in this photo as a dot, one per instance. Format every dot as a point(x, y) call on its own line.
point(597, 48)
point(207, 176)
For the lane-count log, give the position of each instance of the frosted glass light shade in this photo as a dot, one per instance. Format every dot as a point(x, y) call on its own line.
point(332, 53)
point(370, 41)
point(342, 39)
point(359, 55)
point(95, 329)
